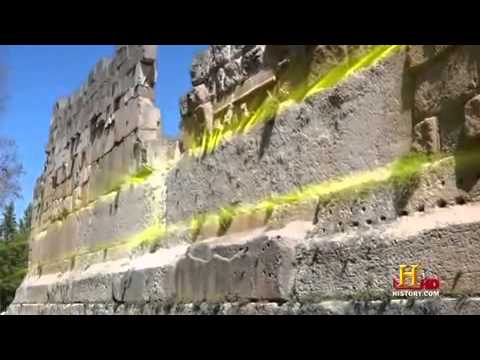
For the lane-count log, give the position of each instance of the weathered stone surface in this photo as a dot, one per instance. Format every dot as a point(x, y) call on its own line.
point(131, 210)
point(427, 136)
point(365, 262)
point(443, 88)
point(472, 117)
point(200, 68)
point(422, 54)
point(307, 273)
point(307, 143)
point(240, 267)
point(441, 306)
point(328, 256)
point(86, 144)
point(325, 57)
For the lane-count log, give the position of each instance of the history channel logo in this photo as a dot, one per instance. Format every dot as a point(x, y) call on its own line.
point(413, 283)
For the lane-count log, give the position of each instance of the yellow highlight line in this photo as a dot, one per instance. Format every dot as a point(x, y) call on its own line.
point(400, 170)
point(272, 107)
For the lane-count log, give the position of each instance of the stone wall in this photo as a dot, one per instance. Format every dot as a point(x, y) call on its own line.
point(105, 132)
point(308, 143)
point(395, 144)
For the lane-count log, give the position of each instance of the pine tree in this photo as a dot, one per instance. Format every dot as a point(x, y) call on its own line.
point(13, 254)
point(8, 226)
point(25, 223)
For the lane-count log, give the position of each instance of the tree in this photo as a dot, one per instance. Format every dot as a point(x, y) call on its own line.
point(13, 257)
point(8, 225)
point(10, 168)
point(14, 250)
point(10, 171)
point(25, 224)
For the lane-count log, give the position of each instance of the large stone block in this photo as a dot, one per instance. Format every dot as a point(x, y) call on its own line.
point(355, 263)
point(151, 278)
point(472, 117)
point(423, 54)
point(201, 66)
point(443, 87)
point(308, 143)
point(256, 265)
point(427, 136)
point(139, 113)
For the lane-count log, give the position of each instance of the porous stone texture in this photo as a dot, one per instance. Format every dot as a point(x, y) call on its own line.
point(421, 55)
point(331, 255)
point(87, 126)
point(222, 67)
point(251, 266)
point(354, 262)
point(443, 88)
point(100, 137)
point(444, 306)
point(308, 143)
point(269, 272)
point(472, 118)
point(112, 218)
point(427, 136)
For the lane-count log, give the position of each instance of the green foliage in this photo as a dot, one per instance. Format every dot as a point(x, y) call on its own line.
point(13, 253)
point(8, 226)
point(26, 222)
point(10, 170)
point(226, 217)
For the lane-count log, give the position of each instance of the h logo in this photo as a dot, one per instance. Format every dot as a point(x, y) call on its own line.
point(408, 272)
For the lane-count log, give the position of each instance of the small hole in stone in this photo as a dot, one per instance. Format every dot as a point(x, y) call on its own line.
point(330, 212)
point(324, 230)
point(340, 224)
point(460, 200)
point(364, 209)
point(355, 224)
point(441, 203)
point(421, 208)
point(369, 222)
point(383, 218)
point(404, 213)
point(443, 183)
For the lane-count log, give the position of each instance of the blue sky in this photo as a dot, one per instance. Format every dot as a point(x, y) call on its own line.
point(38, 75)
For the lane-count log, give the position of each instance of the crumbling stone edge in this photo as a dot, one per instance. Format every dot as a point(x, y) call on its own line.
point(439, 306)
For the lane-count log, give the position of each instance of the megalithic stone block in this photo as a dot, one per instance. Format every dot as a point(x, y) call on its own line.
point(201, 66)
point(138, 113)
point(427, 136)
point(204, 115)
point(422, 54)
point(472, 118)
point(149, 52)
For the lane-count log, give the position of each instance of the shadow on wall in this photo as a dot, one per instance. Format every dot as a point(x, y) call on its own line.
point(461, 115)
point(404, 191)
